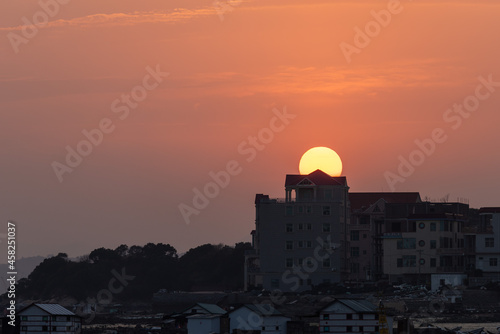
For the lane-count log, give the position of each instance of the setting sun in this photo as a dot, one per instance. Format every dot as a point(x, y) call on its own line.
point(322, 158)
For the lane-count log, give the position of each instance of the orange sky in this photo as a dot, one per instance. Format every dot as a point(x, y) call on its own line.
point(230, 64)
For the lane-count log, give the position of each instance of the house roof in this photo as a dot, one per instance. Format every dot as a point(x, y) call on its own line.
point(357, 305)
point(318, 177)
point(210, 308)
point(52, 309)
point(360, 200)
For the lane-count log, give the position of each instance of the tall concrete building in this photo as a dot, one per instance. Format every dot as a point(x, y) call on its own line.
point(300, 241)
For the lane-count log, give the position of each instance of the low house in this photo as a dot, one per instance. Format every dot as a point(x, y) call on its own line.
point(51, 318)
point(354, 316)
point(204, 318)
point(258, 317)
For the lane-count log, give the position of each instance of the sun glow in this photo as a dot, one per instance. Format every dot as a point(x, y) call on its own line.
point(322, 158)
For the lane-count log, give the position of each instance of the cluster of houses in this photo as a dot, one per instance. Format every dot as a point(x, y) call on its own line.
point(353, 316)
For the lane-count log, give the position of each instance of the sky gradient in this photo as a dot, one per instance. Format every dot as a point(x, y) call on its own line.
point(251, 86)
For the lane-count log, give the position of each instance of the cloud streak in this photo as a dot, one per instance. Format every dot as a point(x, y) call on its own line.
point(125, 19)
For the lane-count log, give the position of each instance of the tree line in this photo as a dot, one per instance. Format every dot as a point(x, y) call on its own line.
point(153, 266)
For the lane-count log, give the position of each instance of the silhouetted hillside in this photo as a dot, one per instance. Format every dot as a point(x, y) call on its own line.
point(136, 272)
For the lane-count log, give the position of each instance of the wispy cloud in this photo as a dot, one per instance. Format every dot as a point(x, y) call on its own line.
point(332, 80)
point(126, 19)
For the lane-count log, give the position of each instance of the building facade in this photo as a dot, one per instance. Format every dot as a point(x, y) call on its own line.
point(354, 316)
point(366, 229)
point(487, 254)
point(300, 241)
point(49, 318)
point(424, 239)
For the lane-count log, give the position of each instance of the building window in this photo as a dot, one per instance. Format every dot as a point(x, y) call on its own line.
point(433, 244)
point(354, 251)
point(421, 261)
point(68, 329)
point(289, 262)
point(489, 242)
point(301, 227)
point(24, 328)
point(24, 318)
point(421, 225)
point(289, 245)
point(493, 262)
point(289, 210)
point(326, 227)
point(300, 261)
point(412, 226)
point(407, 243)
point(309, 281)
point(433, 226)
point(328, 194)
point(348, 329)
point(309, 226)
point(326, 210)
point(433, 262)
point(361, 329)
point(275, 283)
point(326, 316)
point(289, 228)
point(421, 243)
point(300, 244)
point(54, 328)
point(68, 318)
point(308, 209)
point(326, 263)
point(45, 328)
point(326, 329)
point(348, 316)
point(407, 261)
point(309, 244)
point(354, 235)
point(45, 318)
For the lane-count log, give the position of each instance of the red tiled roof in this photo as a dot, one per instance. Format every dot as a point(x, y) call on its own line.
point(360, 200)
point(318, 177)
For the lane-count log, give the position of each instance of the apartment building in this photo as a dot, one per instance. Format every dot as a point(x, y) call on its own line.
point(423, 239)
point(299, 240)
